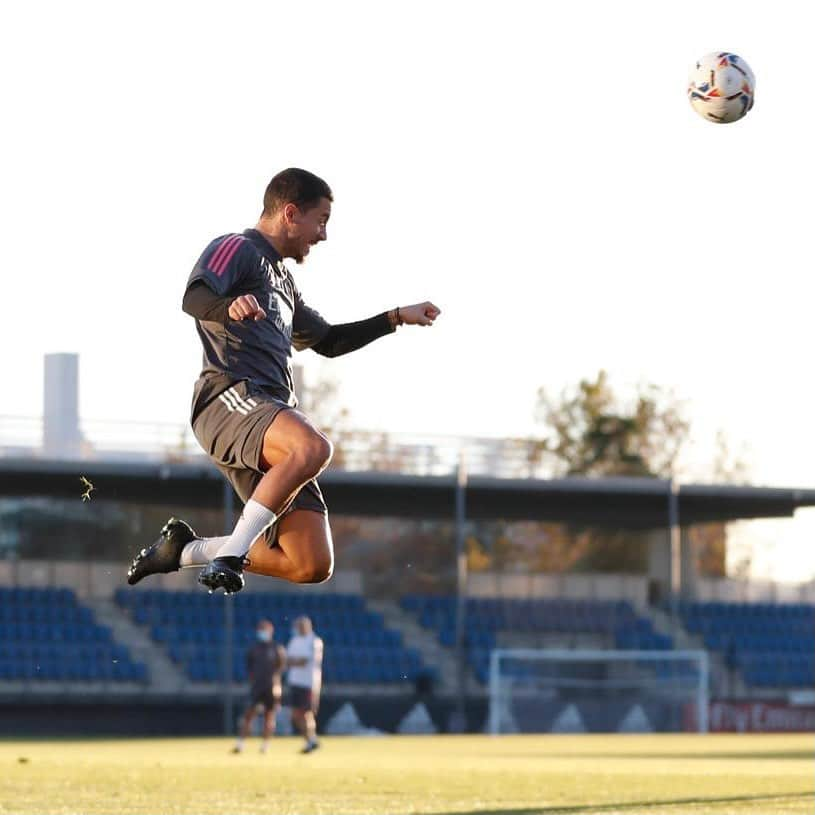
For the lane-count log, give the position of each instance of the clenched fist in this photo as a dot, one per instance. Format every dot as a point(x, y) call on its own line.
point(246, 307)
point(419, 314)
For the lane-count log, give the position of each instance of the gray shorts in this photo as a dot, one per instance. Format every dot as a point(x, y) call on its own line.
point(231, 428)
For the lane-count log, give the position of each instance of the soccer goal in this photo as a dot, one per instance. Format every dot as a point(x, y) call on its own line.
point(581, 691)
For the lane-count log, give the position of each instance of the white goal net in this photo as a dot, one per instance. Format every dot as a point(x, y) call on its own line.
point(582, 691)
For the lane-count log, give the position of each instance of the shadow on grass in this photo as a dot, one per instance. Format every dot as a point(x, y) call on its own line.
point(787, 797)
point(752, 755)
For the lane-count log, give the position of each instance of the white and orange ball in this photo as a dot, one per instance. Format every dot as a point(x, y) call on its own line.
point(721, 87)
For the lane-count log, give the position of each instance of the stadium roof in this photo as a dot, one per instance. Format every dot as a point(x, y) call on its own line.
point(631, 503)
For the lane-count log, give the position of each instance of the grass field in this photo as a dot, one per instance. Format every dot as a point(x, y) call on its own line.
point(522, 775)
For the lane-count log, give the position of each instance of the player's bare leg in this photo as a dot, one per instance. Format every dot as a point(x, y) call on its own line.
point(269, 722)
point(305, 722)
point(294, 452)
point(246, 726)
point(304, 552)
point(298, 720)
point(310, 723)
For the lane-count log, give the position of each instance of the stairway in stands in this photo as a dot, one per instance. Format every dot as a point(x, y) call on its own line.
point(431, 650)
point(165, 677)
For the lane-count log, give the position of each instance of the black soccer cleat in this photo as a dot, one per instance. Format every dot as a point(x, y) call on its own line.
point(311, 746)
point(164, 555)
point(223, 573)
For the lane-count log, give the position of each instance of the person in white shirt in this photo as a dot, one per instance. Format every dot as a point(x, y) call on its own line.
point(305, 661)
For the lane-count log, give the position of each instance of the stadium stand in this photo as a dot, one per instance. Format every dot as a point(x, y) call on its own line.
point(45, 634)
point(770, 645)
point(487, 617)
point(359, 649)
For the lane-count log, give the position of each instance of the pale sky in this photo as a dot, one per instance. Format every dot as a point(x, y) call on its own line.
point(534, 168)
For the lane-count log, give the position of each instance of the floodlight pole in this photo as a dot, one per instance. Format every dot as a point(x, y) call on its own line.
point(461, 587)
point(229, 621)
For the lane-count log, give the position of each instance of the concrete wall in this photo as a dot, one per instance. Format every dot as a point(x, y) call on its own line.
point(578, 586)
point(633, 588)
point(726, 590)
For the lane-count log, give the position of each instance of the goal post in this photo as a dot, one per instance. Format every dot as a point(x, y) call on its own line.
point(577, 691)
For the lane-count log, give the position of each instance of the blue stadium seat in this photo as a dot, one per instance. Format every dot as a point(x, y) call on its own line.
point(359, 647)
point(762, 640)
point(47, 635)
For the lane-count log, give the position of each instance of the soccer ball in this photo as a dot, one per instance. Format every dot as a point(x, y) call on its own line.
point(721, 87)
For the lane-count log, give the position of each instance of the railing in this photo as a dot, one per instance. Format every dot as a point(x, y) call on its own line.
point(355, 450)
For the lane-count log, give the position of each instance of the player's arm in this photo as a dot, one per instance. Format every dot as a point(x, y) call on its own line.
point(281, 656)
point(346, 337)
point(203, 304)
point(213, 292)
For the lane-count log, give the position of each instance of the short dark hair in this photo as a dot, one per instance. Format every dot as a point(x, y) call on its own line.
point(295, 186)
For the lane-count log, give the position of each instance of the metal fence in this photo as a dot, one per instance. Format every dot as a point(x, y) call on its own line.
point(355, 450)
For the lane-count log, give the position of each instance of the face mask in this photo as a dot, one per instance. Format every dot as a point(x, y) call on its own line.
point(264, 636)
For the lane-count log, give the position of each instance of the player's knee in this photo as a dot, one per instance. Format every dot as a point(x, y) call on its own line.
point(323, 574)
point(316, 574)
point(315, 454)
point(321, 452)
point(317, 570)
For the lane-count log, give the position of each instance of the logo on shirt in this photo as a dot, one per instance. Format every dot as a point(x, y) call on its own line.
point(280, 312)
point(276, 273)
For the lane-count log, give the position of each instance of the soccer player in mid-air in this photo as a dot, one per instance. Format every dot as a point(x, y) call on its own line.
point(249, 313)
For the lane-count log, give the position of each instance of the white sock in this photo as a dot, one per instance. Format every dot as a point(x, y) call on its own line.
point(254, 519)
point(200, 551)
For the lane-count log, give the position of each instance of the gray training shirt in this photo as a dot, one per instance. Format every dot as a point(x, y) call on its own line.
point(260, 351)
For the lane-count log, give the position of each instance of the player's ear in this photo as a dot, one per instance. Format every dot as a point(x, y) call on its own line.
point(290, 213)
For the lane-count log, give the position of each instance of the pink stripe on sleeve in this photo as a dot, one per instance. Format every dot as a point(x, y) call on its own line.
point(223, 261)
point(219, 253)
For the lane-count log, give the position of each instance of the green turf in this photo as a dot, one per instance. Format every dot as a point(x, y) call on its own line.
point(632, 775)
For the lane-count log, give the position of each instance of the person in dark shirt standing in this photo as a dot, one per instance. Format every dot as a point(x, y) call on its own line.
point(249, 313)
point(265, 663)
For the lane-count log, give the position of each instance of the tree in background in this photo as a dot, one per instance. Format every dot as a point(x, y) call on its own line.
point(591, 431)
